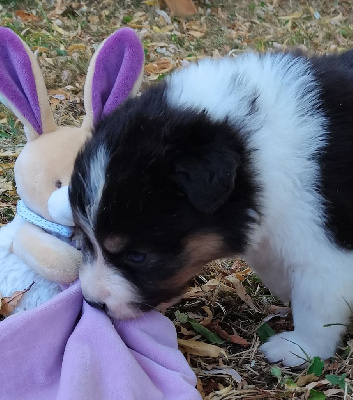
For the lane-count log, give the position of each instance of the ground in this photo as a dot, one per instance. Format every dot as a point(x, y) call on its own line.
point(227, 313)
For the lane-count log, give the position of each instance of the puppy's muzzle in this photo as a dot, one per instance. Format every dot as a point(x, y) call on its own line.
point(98, 306)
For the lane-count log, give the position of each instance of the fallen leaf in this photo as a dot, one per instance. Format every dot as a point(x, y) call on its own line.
point(8, 304)
point(48, 60)
point(195, 26)
point(54, 102)
point(167, 28)
point(280, 312)
point(59, 30)
point(305, 379)
point(181, 317)
point(11, 153)
point(201, 349)
point(193, 292)
point(40, 49)
point(265, 332)
point(199, 388)
point(5, 186)
point(240, 290)
point(211, 284)
point(223, 371)
point(186, 332)
point(138, 26)
point(61, 7)
point(75, 48)
point(206, 321)
point(333, 392)
point(316, 395)
point(196, 34)
point(181, 8)
point(316, 366)
point(159, 67)
point(219, 394)
point(152, 2)
point(26, 17)
point(77, 32)
point(236, 339)
point(158, 44)
point(5, 166)
point(295, 15)
point(206, 333)
point(241, 275)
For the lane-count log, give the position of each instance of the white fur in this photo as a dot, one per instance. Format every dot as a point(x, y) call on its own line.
point(94, 188)
point(102, 283)
point(290, 250)
point(17, 276)
point(59, 207)
point(97, 175)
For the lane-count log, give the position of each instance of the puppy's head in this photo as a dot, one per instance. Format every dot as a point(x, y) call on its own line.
point(153, 191)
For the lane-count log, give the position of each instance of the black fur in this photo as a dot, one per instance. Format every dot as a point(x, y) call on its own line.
point(335, 74)
point(172, 156)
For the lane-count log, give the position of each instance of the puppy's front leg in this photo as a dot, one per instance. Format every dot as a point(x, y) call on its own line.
point(320, 299)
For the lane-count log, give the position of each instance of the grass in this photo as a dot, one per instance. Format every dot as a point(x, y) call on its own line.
point(212, 305)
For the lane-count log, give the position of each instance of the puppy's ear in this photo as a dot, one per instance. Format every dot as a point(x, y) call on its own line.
point(206, 173)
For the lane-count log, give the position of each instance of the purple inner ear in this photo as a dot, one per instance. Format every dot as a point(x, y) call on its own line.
point(118, 65)
point(17, 83)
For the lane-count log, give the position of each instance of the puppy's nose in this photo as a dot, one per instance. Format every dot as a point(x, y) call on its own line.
point(99, 306)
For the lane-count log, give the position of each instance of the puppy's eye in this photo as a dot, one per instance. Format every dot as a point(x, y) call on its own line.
point(136, 256)
point(58, 183)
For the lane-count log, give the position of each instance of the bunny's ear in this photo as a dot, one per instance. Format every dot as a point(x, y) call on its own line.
point(22, 87)
point(115, 73)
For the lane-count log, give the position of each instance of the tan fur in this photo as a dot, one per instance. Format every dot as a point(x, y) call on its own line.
point(46, 113)
point(47, 255)
point(44, 161)
point(198, 251)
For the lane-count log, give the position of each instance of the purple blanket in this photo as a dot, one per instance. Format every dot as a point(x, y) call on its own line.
point(64, 351)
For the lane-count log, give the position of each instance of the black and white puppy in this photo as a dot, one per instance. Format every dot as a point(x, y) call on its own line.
point(249, 156)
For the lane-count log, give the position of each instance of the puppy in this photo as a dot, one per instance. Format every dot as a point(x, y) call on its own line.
point(249, 156)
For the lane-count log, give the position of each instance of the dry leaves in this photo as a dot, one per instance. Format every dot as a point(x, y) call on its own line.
point(197, 348)
point(76, 48)
point(240, 290)
point(26, 17)
point(161, 66)
point(8, 304)
point(181, 8)
point(5, 186)
point(295, 15)
point(236, 339)
point(6, 166)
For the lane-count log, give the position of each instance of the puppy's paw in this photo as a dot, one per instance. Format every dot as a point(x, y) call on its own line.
point(288, 348)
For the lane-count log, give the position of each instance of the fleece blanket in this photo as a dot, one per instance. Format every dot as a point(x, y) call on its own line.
point(65, 351)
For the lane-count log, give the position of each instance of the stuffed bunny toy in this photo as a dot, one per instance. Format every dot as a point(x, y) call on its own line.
point(55, 350)
point(39, 248)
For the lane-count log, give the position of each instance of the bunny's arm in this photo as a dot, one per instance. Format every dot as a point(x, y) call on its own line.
point(46, 254)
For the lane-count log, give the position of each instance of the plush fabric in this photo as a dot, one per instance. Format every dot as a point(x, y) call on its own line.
point(17, 82)
point(115, 69)
point(55, 351)
point(16, 275)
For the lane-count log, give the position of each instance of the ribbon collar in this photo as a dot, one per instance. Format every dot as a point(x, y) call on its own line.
point(35, 219)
